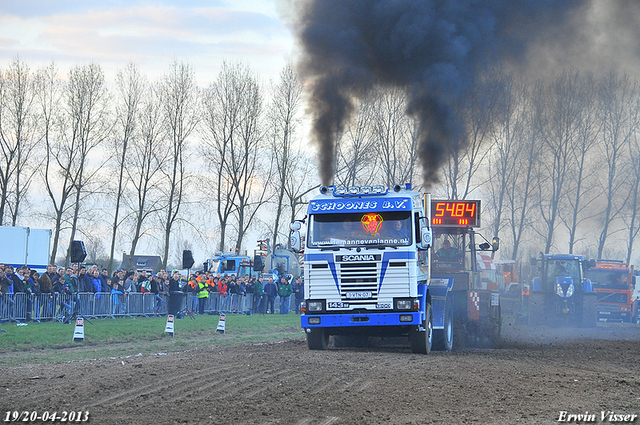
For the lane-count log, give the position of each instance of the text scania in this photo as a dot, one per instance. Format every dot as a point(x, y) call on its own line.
point(358, 257)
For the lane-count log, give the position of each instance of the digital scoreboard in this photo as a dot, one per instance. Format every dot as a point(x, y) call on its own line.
point(455, 213)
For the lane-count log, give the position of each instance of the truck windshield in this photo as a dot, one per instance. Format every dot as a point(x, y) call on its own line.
point(611, 279)
point(360, 229)
point(214, 266)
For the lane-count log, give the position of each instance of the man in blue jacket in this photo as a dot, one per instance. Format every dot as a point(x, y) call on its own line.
point(271, 292)
point(298, 290)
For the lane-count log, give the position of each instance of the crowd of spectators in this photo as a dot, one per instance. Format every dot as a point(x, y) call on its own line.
point(77, 279)
point(263, 294)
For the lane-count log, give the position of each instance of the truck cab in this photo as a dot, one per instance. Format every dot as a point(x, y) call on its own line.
point(368, 270)
point(614, 284)
point(231, 265)
point(509, 284)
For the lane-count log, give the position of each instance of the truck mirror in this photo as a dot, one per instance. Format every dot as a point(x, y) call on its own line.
point(533, 262)
point(592, 263)
point(495, 243)
point(426, 237)
point(295, 241)
point(295, 226)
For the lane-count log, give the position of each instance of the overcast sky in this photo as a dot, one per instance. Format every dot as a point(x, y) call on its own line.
point(150, 33)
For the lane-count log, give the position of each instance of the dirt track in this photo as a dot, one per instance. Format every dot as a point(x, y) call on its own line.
point(535, 376)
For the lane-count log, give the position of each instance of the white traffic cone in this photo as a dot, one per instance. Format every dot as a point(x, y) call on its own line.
point(78, 332)
point(221, 324)
point(169, 328)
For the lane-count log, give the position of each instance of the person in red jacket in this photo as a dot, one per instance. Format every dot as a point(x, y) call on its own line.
point(222, 294)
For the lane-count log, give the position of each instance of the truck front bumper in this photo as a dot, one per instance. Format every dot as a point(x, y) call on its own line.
point(360, 319)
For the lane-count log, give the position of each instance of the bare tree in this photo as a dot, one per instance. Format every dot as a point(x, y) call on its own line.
point(393, 136)
point(88, 125)
point(466, 153)
point(284, 119)
point(527, 159)
point(233, 108)
point(19, 137)
point(247, 159)
point(222, 118)
point(560, 129)
point(580, 190)
point(355, 150)
point(129, 85)
point(620, 107)
point(507, 136)
point(94, 245)
point(180, 99)
point(58, 157)
point(148, 153)
point(299, 187)
point(632, 222)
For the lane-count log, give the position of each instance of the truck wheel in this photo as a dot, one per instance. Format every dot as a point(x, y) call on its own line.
point(317, 339)
point(443, 338)
point(537, 309)
point(589, 310)
point(422, 341)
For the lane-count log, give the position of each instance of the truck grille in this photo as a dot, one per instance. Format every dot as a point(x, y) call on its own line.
point(358, 284)
point(360, 278)
point(604, 297)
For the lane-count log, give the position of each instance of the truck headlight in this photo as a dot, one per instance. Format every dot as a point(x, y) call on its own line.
point(314, 306)
point(569, 291)
point(404, 304)
point(559, 290)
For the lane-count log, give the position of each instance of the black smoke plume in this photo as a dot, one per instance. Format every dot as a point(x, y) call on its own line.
point(433, 49)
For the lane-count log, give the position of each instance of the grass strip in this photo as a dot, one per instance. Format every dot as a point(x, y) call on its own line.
point(53, 341)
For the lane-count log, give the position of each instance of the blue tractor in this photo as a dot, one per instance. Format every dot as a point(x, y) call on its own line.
point(560, 293)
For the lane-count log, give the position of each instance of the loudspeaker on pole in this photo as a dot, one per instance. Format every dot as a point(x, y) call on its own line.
point(78, 252)
point(258, 264)
point(187, 259)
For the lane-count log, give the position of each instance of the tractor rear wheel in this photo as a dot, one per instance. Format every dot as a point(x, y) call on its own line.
point(589, 310)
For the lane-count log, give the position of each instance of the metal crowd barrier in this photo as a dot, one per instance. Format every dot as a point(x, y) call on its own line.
point(48, 307)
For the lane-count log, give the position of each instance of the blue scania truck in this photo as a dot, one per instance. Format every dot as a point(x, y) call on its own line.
point(372, 268)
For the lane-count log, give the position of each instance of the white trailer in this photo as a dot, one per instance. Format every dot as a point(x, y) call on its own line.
point(20, 246)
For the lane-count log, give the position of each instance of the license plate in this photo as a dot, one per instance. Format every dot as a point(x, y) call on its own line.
point(338, 305)
point(358, 295)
